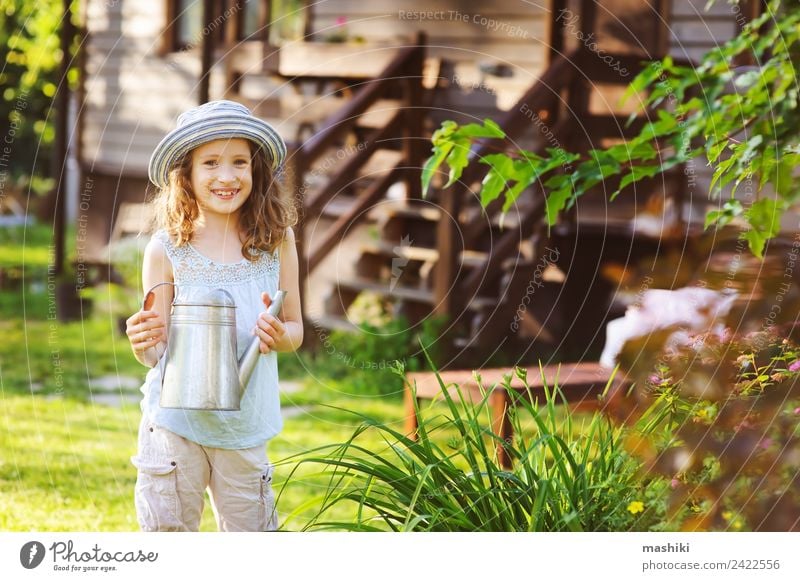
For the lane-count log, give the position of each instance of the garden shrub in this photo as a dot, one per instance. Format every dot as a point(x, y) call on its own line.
point(564, 477)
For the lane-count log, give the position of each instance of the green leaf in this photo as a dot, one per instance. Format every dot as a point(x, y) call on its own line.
point(721, 174)
point(444, 132)
point(457, 159)
point(665, 125)
point(764, 219)
point(638, 172)
point(555, 202)
point(747, 79)
point(729, 211)
point(643, 80)
point(493, 184)
point(432, 164)
point(715, 149)
point(489, 129)
point(525, 175)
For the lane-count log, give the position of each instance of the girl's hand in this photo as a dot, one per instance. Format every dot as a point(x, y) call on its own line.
point(268, 328)
point(145, 329)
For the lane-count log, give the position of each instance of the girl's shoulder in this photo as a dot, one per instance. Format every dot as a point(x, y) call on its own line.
point(163, 237)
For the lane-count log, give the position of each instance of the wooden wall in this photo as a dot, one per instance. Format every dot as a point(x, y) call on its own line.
point(132, 94)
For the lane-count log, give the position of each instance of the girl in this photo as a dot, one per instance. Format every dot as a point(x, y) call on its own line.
point(221, 225)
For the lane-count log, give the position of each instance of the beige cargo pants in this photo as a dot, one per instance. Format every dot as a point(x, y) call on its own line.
point(173, 474)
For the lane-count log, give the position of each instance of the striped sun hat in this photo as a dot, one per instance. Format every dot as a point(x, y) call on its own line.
point(210, 121)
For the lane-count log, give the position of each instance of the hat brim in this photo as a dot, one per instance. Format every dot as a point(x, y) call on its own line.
point(187, 137)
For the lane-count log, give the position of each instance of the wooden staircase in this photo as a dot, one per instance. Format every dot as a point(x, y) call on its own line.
point(445, 255)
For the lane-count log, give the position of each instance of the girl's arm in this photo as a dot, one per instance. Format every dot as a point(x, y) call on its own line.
point(147, 329)
point(285, 335)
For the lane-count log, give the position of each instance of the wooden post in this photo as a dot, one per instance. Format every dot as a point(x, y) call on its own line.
point(412, 422)
point(233, 26)
point(206, 54)
point(447, 236)
point(662, 28)
point(580, 90)
point(748, 10)
point(414, 145)
point(59, 165)
point(501, 424)
point(557, 29)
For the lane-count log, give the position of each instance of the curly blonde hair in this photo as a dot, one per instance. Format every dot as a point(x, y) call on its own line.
point(264, 218)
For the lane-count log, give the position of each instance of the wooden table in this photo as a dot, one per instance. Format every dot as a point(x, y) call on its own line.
point(580, 383)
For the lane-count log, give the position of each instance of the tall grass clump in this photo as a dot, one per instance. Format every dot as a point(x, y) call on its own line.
point(564, 477)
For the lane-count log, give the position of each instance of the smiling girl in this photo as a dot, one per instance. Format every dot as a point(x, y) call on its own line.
point(221, 224)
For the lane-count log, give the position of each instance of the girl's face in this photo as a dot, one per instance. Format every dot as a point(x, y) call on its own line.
point(222, 176)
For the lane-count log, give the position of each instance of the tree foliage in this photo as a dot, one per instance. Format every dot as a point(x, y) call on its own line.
point(742, 120)
point(30, 57)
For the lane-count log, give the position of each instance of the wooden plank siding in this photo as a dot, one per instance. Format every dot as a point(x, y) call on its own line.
point(132, 93)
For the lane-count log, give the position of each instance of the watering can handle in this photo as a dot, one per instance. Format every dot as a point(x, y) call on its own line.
point(149, 297)
point(248, 361)
point(147, 304)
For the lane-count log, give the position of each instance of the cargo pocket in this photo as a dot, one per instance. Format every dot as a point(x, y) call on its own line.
point(266, 500)
point(156, 496)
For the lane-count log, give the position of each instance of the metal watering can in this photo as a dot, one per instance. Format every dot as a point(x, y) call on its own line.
point(200, 370)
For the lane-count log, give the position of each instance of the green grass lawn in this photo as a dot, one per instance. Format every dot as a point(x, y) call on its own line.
point(65, 460)
point(65, 464)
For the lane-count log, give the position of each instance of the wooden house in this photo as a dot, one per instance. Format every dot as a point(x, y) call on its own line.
point(357, 88)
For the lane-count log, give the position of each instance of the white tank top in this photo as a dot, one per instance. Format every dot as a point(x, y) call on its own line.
point(260, 416)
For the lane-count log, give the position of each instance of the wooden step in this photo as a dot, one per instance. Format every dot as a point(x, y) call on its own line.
point(419, 253)
point(413, 303)
point(376, 167)
point(407, 263)
point(400, 292)
point(381, 161)
point(300, 116)
point(419, 223)
point(380, 113)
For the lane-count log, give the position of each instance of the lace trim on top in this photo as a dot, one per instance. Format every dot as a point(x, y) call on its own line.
point(191, 267)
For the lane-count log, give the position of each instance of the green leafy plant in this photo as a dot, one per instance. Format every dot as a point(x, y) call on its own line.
point(745, 124)
point(367, 356)
point(30, 55)
point(564, 478)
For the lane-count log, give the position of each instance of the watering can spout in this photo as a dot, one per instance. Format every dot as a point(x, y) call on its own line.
point(248, 361)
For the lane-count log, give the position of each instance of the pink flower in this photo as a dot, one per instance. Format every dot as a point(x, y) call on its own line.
point(341, 20)
point(765, 443)
point(795, 366)
point(674, 483)
point(797, 411)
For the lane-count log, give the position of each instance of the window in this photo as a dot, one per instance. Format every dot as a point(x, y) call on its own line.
point(288, 21)
point(251, 16)
point(186, 29)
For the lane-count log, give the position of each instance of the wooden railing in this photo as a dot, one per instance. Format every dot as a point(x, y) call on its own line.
point(403, 75)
